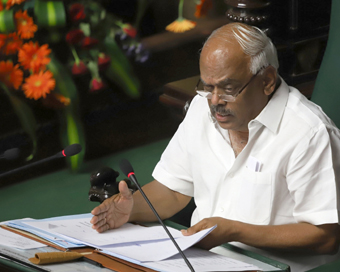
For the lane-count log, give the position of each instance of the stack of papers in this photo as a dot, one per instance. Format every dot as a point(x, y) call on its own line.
point(147, 246)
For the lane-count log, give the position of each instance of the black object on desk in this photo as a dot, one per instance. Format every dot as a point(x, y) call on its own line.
point(104, 184)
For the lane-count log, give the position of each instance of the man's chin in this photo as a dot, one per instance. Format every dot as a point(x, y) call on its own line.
point(226, 126)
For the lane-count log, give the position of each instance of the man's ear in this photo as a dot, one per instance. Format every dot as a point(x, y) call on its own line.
point(269, 80)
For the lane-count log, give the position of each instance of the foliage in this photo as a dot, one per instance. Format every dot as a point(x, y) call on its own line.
point(46, 45)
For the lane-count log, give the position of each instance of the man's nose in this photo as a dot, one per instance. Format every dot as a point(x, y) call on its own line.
point(216, 97)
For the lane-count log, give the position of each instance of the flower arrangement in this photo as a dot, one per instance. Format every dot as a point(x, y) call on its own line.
point(181, 24)
point(30, 68)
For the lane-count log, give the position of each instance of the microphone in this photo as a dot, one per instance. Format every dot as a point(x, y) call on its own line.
point(10, 154)
point(67, 152)
point(127, 169)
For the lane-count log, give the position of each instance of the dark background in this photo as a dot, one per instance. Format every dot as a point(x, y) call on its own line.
point(113, 121)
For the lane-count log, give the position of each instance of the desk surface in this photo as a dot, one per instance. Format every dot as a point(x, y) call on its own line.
point(9, 256)
point(23, 255)
point(63, 193)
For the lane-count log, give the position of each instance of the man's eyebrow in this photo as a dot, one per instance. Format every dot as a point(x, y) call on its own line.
point(222, 82)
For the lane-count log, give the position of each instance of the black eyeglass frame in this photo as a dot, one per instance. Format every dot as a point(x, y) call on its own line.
point(223, 96)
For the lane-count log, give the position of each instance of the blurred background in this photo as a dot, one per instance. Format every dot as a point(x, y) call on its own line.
point(121, 76)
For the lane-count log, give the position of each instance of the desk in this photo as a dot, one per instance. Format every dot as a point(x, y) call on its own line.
point(264, 263)
point(61, 193)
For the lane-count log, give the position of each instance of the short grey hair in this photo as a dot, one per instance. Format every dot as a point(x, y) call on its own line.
point(254, 43)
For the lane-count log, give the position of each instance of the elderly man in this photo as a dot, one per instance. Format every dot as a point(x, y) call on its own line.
point(260, 160)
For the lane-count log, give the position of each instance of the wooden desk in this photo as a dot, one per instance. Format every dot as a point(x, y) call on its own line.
point(265, 264)
point(61, 193)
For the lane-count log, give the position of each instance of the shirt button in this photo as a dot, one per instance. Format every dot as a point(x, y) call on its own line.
point(221, 210)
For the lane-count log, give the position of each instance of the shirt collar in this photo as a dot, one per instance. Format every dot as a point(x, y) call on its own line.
point(272, 113)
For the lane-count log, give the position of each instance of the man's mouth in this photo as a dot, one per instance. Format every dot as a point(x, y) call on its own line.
point(220, 113)
point(222, 116)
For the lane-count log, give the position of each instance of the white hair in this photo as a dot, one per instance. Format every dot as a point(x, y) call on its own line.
point(254, 43)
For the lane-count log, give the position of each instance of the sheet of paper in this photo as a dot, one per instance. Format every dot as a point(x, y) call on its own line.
point(157, 250)
point(8, 238)
point(201, 260)
point(53, 238)
point(81, 229)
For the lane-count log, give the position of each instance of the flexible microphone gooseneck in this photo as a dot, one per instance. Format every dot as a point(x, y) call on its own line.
point(127, 169)
point(10, 154)
point(67, 152)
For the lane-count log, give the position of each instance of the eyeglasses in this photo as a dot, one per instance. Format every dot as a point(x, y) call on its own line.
point(226, 97)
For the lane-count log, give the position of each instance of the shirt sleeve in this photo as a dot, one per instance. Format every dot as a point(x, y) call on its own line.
point(174, 168)
point(312, 177)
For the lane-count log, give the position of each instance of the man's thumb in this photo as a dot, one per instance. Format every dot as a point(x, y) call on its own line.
point(124, 189)
point(189, 231)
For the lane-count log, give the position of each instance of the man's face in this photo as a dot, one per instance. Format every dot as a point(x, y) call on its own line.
point(227, 67)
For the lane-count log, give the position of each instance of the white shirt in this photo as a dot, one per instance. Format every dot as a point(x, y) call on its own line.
point(297, 150)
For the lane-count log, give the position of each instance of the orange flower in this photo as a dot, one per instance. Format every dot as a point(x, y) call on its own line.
point(11, 3)
point(38, 85)
point(180, 25)
point(25, 25)
point(11, 43)
point(56, 101)
point(202, 8)
point(62, 99)
point(2, 39)
point(10, 75)
point(34, 57)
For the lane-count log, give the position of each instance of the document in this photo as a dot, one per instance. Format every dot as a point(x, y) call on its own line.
point(8, 238)
point(51, 237)
point(81, 230)
point(146, 246)
point(132, 241)
point(201, 260)
point(156, 250)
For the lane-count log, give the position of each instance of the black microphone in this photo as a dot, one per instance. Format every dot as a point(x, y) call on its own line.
point(67, 152)
point(127, 169)
point(10, 154)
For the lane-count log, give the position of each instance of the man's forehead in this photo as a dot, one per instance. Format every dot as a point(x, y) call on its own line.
point(221, 82)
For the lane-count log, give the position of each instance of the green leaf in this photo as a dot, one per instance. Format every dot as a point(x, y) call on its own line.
point(71, 126)
point(85, 27)
point(26, 118)
point(7, 23)
point(142, 5)
point(50, 13)
point(120, 70)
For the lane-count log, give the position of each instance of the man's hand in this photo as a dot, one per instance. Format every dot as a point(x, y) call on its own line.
point(221, 234)
point(298, 237)
point(114, 211)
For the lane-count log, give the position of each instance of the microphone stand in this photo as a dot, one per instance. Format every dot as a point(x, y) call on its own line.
point(67, 152)
point(127, 169)
point(163, 225)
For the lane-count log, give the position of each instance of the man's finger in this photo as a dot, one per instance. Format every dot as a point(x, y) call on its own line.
point(98, 218)
point(103, 228)
point(124, 189)
point(190, 231)
point(100, 209)
point(202, 225)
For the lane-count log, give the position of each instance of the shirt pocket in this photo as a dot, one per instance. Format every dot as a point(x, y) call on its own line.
point(254, 202)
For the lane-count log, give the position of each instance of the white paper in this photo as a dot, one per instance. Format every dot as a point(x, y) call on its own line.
point(153, 247)
point(8, 238)
point(201, 260)
point(57, 239)
point(157, 250)
point(81, 229)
